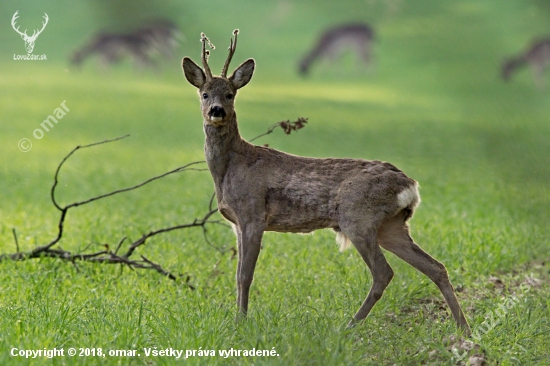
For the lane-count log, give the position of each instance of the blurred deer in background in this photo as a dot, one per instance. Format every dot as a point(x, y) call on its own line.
point(160, 37)
point(537, 57)
point(112, 48)
point(356, 38)
point(29, 40)
point(368, 203)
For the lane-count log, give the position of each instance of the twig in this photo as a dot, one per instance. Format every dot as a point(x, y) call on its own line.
point(56, 176)
point(177, 170)
point(15, 238)
point(287, 127)
point(197, 222)
point(35, 252)
point(120, 244)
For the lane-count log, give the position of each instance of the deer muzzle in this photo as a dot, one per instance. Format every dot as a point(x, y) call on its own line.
point(216, 113)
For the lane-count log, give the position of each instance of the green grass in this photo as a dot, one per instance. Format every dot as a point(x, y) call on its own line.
point(433, 106)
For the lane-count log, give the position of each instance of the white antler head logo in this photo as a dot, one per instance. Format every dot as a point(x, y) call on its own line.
point(29, 40)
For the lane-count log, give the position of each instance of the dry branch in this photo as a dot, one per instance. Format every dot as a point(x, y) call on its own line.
point(287, 127)
point(107, 256)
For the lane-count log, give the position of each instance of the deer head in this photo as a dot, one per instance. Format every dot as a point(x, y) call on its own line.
point(217, 93)
point(29, 40)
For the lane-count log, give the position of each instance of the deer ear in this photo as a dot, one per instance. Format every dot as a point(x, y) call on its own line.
point(193, 73)
point(242, 75)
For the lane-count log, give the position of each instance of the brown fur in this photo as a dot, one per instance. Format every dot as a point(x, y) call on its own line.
point(262, 189)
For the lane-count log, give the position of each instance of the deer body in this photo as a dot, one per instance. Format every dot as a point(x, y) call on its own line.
point(262, 189)
point(158, 37)
point(335, 41)
point(111, 48)
point(298, 194)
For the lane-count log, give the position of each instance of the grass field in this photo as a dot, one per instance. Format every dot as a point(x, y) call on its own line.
point(433, 105)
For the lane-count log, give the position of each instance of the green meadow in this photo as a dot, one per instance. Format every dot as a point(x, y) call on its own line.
point(432, 104)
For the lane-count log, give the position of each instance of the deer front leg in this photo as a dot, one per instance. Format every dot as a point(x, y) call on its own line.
point(249, 238)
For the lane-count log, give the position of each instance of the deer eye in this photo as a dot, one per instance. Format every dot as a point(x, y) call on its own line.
point(204, 96)
point(229, 96)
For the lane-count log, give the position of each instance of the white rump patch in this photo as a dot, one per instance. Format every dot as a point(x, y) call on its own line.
point(409, 197)
point(343, 241)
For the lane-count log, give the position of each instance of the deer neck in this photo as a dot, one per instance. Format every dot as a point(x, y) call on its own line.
point(221, 143)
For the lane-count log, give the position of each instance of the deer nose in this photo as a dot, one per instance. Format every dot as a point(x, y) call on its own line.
point(217, 111)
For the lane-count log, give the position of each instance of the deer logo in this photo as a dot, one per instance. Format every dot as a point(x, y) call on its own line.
point(29, 40)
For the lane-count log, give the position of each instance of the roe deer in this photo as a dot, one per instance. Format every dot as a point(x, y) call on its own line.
point(112, 48)
point(261, 189)
point(161, 35)
point(537, 57)
point(335, 41)
point(157, 37)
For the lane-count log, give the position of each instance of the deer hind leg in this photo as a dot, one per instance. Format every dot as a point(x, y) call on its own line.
point(382, 274)
point(538, 76)
point(364, 52)
point(249, 238)
point(394, 237)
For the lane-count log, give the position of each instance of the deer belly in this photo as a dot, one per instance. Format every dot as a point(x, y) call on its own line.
point(290, 225)
point(300, 213)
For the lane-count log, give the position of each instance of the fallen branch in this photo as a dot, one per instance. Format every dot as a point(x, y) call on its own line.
point(107, 256)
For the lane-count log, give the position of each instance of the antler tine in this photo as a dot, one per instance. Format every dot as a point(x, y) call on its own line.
point(46, 18)
point(232, 47)
point(205, 54)
point(36, 32)
point(13, 20)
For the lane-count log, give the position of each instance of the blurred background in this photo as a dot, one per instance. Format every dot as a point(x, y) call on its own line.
point(431, 98)
point(418, 83)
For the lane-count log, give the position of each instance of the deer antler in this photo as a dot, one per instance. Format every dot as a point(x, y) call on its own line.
point(13, 19)
point(205, 54)
point(37, 32)
point(232, 48)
